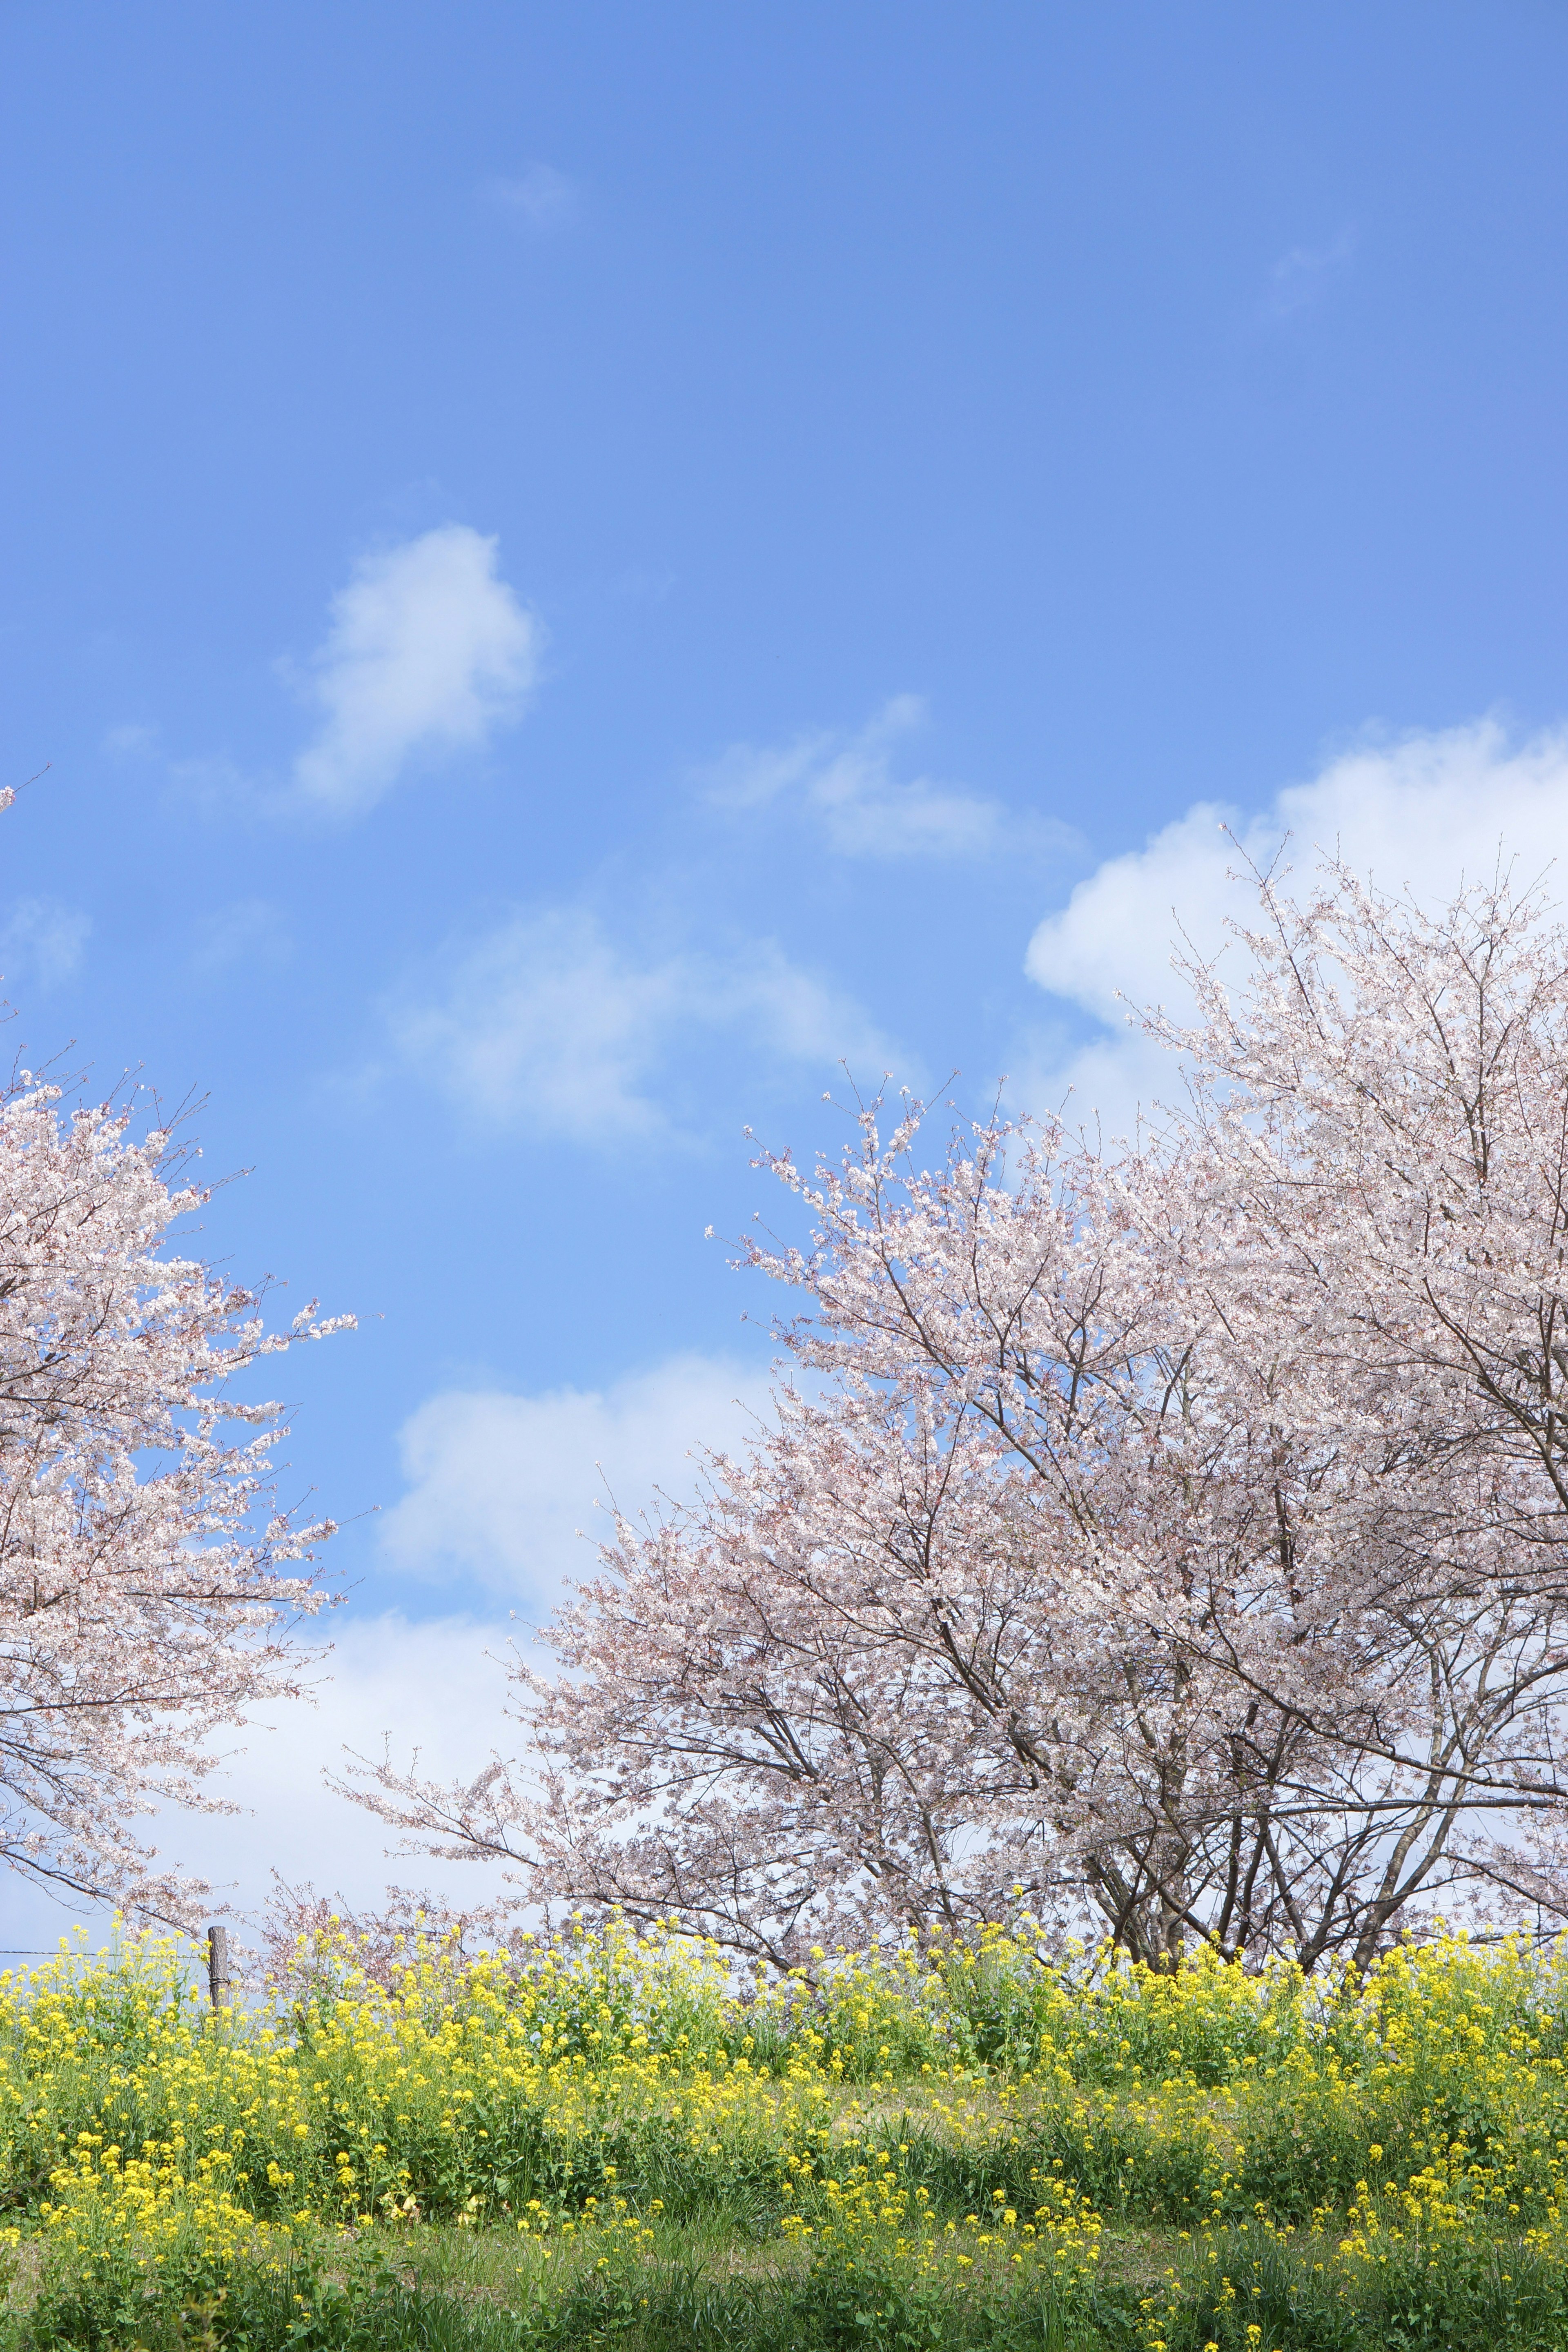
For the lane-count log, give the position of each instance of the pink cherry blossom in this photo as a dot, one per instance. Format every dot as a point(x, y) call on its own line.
point(142, 1604)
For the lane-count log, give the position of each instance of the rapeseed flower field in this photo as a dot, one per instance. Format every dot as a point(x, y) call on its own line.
point(602, 2135)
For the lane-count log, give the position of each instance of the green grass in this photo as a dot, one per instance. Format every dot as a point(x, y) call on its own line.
point(701, 2291)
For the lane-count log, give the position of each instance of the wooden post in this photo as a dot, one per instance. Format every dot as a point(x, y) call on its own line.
point(217, 1966)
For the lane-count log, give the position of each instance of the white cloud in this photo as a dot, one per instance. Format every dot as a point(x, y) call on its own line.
point(847, 782)
point(430, 1686)
point(540, 200)
point(429, 650)
point(1425, 813)
point(553, 1021)
point(500, 1484)
point(41, 942)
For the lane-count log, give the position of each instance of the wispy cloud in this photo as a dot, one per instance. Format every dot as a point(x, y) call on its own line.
point(540, 200)
point(427, 652)
point(41, 942)
point(131, 741)
point(1301, 277)
point(846, 783)
point(500, 1484)
point(252, 932)
point(555, 1023)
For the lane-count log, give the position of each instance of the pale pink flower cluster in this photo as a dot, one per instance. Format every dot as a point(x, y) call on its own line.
point(140, 1601)
point(1172, 1538)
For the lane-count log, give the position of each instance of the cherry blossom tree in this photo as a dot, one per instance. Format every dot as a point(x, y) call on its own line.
point(1384, 1109)
point(143, 1603)
point(1172, 1536)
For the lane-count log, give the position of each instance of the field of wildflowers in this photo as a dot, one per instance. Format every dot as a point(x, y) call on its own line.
point(603, 2136)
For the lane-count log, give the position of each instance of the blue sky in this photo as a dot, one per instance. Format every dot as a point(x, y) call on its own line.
point(572, 567)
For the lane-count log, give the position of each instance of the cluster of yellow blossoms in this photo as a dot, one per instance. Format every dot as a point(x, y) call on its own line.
point(871, 2222)
point(957, 2117)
